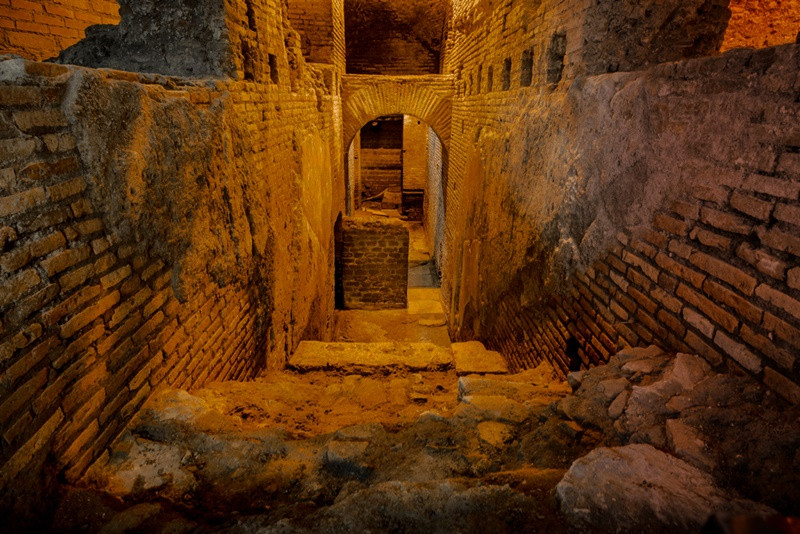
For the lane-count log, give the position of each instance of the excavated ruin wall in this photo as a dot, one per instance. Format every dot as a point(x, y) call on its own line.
point(374, 264)
point(653, 206)
point(153, 234)
point(320, 24)
point(156, 231)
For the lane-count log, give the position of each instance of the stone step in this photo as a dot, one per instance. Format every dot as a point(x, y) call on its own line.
point(472, 357)
point(370, 358)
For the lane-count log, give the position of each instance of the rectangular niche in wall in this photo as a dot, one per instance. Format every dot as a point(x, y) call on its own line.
point(507, 74)
point(555, 58)
point(526, 68)
point(273, 69)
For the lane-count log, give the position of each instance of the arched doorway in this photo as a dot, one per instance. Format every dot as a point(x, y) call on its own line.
point(396, 166)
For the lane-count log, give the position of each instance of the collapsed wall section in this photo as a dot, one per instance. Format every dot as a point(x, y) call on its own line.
point(654, 206)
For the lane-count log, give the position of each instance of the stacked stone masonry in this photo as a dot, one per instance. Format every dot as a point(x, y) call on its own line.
point(40, 30)
point(759, 23)
point(374, 263)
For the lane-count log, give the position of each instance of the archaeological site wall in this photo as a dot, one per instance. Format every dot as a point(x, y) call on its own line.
point(654, 205)
point(40, 30)
point(388, 37)
point(320, 24)
point(156, 231)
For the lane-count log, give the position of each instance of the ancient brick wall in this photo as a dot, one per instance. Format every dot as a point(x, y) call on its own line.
point(374, 263)
point(390, 37)
point(572, 188)
point(434, 217)
point(382, 156)
point(96, 311)
point(415, 153)
point(139, 244)
point(41, 29)
point(762, 23)
point(320, 24)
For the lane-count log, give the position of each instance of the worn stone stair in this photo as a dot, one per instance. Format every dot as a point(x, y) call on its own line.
point(384, 357)
point(370, 358)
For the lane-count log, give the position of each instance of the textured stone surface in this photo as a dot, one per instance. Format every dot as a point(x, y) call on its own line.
point(182, 38)
point(370, 357)
point(471, 357)
point(40, 30)
point(760, 24)
point(636, 488)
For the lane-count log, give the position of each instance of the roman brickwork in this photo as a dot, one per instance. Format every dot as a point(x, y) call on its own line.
point(40, 30)
point(596, 175)
point(397, 38)
point(374, 263)
point(649, 208)
point(140, 248)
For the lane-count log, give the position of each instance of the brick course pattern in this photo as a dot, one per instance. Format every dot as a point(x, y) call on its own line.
point(374, 263)
point(39, 30)
point(588, 178)
point(97, 311)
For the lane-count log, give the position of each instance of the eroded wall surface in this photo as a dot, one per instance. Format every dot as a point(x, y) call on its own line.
point(648, 206)
point(762, 23)
point(39, 30)
point(155, 231)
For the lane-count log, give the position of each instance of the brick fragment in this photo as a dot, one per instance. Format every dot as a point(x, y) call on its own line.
point(775, 187)
point(65, 259)
point(738, 352)
point(21, 202)
point(763, 261)
point(17, 286)
point(779, 299)
point(40, 120)
point(88, 315)
point(724, 271)
point(788, 213)
point(782, 385)
point(752, 206)
point(725, 221)
point(777, 239)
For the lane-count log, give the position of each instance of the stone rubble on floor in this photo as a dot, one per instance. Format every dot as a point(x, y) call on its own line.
point(641, 444)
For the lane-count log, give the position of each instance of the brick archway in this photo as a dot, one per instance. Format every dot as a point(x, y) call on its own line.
point(366, 97)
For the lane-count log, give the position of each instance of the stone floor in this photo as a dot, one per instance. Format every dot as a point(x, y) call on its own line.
point(423, 321)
